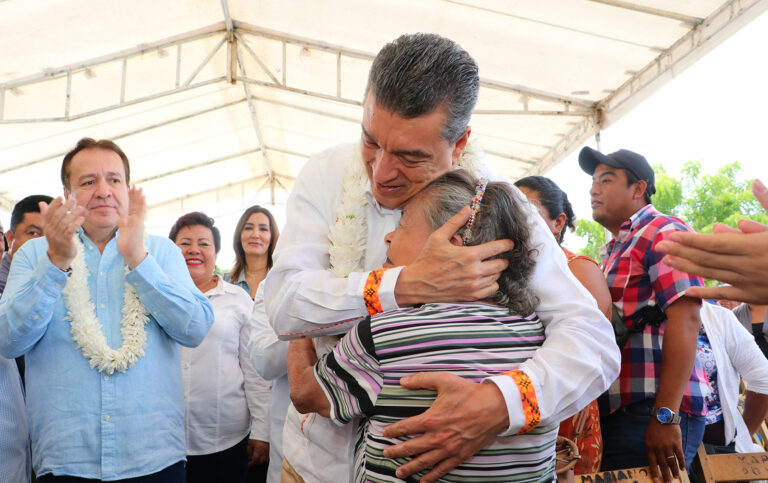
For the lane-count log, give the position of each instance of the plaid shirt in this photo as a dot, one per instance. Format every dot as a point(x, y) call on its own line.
point(637, 279)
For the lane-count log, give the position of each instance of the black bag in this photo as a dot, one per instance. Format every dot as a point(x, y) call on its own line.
point(651, 314)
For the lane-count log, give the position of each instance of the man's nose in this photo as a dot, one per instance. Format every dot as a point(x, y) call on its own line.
point(384, 167)
point(102, 188)
point(388, 237)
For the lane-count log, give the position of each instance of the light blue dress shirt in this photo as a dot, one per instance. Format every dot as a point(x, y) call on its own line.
point(82, 422)
point(14, 438)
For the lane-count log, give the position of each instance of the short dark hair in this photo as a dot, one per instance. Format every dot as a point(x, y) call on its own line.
point(418, 73)
point(30, 204)
point(238, 247)
point(552, 198)
point(196, 218)
point(501, 215)
point(90, 143)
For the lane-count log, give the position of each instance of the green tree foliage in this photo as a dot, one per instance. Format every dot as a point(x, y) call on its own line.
point(701, 200)
point(594, 234)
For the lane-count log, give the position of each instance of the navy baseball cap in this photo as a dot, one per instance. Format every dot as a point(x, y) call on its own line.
point(624, 159)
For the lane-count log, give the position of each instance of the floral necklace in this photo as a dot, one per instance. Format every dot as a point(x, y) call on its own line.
point(86, 329)
point(348, 235)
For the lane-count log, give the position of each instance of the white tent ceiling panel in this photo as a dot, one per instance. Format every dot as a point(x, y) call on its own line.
point(217, 111)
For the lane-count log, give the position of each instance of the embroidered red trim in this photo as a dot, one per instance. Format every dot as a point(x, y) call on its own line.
point(371, 291)
point(528, 398)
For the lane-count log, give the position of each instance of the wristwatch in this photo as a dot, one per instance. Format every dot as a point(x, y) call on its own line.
point(667, 416)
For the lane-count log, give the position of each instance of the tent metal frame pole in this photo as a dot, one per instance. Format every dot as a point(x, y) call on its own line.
point(525, 112)
point(652, 11)
point(221, 187)
point(257, 59)
point(256, 126)
point(318, 95)
point(129, 133)
point(76, 67)
point(237, 37)
point(670, 62)
point(205, 61)
point(209, 162)
point(111, 107)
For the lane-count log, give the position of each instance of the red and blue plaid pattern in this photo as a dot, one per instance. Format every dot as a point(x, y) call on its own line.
point(637, 279)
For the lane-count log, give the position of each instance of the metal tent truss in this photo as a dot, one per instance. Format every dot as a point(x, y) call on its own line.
point(277, 70)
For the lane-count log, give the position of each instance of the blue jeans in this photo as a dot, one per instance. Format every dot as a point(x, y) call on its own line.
point(624, 436)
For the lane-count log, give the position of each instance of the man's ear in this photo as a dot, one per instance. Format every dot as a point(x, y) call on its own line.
point(458, 148)
point(640, 187)
point(9, 241)
point(456, 240)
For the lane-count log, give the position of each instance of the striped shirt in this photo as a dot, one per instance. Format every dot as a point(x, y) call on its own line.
point(638, 280)
point(361, 377)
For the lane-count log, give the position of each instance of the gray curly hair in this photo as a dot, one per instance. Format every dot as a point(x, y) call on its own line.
point(501, 215)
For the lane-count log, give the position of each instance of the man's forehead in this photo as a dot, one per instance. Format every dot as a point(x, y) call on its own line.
point(32, 218)
point(604, 169)
point(92, 160)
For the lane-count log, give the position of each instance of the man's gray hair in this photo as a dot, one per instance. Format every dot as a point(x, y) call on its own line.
point(502, 214)
point(418, 73)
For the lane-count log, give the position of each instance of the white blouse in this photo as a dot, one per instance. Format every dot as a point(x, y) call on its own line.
point(224, 396)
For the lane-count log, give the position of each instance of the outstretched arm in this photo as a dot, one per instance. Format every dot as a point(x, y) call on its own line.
point(465, 418)
point(737, 257)
point(306, 394)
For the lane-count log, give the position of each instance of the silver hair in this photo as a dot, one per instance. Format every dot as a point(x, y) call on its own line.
point(418, 73)
point(501, 215)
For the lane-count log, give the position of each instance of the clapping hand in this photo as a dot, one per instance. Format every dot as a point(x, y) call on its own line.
point(130, 241)
point(61, 220)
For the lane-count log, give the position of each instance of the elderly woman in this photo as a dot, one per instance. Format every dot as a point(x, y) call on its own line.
point(254, 241)
point(359, 379)
point(225, 398)
point(554, 207)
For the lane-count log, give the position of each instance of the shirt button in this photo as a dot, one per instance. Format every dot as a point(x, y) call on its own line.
point(58, 285)
point(35, 317)
point(101, 306)
point(101, 273)
point(106, 418)
point(90, 247)
point(106, 378)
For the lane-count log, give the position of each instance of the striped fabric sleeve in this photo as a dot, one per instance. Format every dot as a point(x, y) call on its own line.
point(350, 375)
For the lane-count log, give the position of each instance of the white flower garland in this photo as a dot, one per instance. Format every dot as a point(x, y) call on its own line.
point(86, 329)
point(349, 233)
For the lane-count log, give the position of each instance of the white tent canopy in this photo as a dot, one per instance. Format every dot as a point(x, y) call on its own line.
point(220, 103)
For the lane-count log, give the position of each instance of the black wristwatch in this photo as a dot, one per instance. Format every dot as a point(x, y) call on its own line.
point(667, 416)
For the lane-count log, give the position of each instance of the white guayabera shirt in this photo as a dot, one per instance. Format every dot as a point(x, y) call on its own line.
point(224, 396)
point(577, 362)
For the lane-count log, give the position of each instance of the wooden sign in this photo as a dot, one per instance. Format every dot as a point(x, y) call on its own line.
point(630, 475)
point(733, 467)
